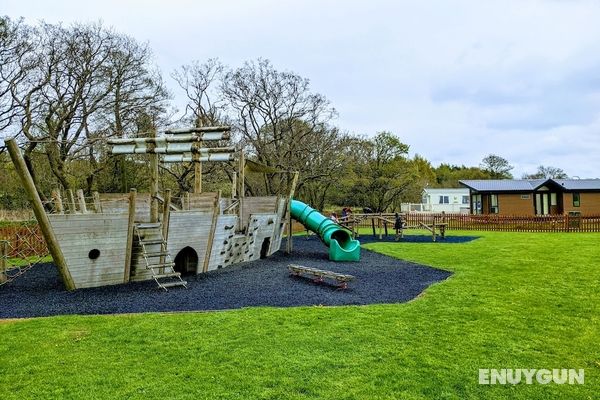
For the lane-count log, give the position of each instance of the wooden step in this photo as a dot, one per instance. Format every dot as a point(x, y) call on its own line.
point(152, 241)
point(168, 275)
point(165, 265)
point(172, 284)
point(158, 254)
point(154, 225)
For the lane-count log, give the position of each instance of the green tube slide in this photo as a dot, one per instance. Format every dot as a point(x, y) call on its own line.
point(339, 240)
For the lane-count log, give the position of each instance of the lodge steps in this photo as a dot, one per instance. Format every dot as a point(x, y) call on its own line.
point(162, 271)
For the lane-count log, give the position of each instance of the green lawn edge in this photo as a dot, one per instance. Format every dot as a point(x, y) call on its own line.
point(515, 300)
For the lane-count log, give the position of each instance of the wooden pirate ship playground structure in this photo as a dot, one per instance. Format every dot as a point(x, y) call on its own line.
point(109, 238)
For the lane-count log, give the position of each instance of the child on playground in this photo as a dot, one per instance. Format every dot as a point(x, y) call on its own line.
point(334, 218)
point(398, 225)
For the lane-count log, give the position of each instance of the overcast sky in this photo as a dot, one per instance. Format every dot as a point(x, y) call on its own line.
point(456, 80)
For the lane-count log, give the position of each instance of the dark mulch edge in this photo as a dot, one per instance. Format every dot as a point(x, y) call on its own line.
point(379, 279)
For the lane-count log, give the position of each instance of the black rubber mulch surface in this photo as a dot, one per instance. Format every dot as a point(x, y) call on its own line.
point(408, 238)
point(379, 279)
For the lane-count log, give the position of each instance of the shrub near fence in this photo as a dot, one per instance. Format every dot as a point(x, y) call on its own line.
point(512, 223)
point(25, 239)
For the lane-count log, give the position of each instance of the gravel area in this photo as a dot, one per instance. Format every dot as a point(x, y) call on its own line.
point(379, 279)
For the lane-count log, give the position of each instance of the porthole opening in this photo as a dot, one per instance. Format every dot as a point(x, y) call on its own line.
point(94, 254)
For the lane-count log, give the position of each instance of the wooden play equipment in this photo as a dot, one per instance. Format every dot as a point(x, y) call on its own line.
point(319, 275)
point(382, 223)
point(108, 239)
point(342, 247)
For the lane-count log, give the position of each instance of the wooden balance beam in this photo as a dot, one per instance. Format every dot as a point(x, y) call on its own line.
point(319, 275)
point(431, 228)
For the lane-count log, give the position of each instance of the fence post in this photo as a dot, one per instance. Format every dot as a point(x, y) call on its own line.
point(58, 205)
point(3, 257)
point(72, 208)
point(81, 201)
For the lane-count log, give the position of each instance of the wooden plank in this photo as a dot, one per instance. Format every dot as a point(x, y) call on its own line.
point(78, 234)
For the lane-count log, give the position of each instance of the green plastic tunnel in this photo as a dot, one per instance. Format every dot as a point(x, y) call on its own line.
point(339, 240)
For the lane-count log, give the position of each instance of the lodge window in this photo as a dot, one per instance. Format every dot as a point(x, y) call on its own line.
point(493, 204)
point(444, 200)
point(465, 199)
point(576, 200)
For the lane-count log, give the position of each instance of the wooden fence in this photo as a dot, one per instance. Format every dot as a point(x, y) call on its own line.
point(510, 223)
point(25, 240)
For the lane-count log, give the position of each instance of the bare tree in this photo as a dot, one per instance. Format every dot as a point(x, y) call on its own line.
point(205, 107)
point(137, 91)
point(547, 172)
point(200, 82)
point(71, 87)
point(279, 120)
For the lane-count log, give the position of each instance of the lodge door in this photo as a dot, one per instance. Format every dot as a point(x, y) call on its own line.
point(542, 203)
point(547, 203)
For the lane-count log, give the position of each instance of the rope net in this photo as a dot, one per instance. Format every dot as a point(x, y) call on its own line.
point(22, 247)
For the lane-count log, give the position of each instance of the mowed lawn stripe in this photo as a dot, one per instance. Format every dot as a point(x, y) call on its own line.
point(515, 301)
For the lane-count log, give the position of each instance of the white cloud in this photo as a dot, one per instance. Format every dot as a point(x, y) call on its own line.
point(456, 80)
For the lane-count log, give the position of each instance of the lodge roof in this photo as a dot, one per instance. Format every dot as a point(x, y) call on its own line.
point(529, 185)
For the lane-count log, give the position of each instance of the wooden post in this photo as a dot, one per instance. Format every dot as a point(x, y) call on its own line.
point(153, 187)
point(58, 204)
point(72, 208)
point(3, 257)
point(187, 200)
point(242, 173)
point(234, 186)
point(97, 204)
point(379, 227)
point(153, 184)
point(242, 189)
point(165, 222)
point(166, 214)
point(81, 201)
point(197, 174)
point(40, 214)
point(211, 235)
point(289, 243)
point(129, 245)
point(433, 228)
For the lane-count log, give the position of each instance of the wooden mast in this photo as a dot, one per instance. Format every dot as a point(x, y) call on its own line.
point(40, 213)
point(130, 233)
point(153, 184)
point(289, 245)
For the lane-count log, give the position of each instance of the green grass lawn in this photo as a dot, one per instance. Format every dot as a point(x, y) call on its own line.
point(516, 300)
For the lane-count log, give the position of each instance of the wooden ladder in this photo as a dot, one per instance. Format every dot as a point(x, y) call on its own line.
point(158, 262)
